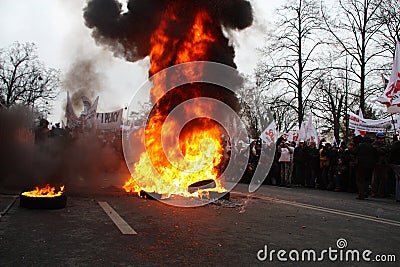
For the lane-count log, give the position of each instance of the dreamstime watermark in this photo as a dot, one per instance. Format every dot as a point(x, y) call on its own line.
point(340, 253)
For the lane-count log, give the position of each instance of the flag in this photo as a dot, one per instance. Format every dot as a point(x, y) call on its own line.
point(89, 116)
point(270, 134)
point(311, 132)
point(87, 104)
point(356, 131)
point(334, 142)
point(72, 120)
point(90, 109)
point(302, 135)
point(391, 95)
point(290, 137)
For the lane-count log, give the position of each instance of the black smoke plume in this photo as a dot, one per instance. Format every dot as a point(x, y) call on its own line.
point(83, 79)
point(128, 34)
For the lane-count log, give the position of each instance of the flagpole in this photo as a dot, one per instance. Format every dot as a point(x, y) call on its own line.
point(346, 102)
point(394, 125)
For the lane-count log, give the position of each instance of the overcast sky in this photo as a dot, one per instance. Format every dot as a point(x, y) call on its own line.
point(58, 30)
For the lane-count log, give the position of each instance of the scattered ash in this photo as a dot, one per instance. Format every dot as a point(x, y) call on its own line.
point(228, 203)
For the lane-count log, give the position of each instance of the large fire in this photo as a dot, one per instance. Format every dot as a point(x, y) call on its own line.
point(195, 155)
point(46, 191)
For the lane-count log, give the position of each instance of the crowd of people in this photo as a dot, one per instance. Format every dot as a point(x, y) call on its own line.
point(366, 166)
point(44, 134)
point(98, 149)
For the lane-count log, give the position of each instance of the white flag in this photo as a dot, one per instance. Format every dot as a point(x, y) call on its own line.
point(72, 120)
point(291, 137)
point(89, 119)
point(270, 134)
point(311, 132)
point(302, 136)
point(391, 96)
point(90, 113)
point(87, 104)
point(334, 142)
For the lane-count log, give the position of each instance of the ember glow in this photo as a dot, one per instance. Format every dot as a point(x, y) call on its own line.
point(46, 191)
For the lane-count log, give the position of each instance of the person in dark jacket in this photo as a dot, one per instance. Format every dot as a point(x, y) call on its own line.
point(300, 159)
point(394, 160)
point(312, 167)
point(351, 163)
point(333, 160)
point(339, 174)
point(366, 160)
point(42, 132)
point(326, 161)
point(379, 178)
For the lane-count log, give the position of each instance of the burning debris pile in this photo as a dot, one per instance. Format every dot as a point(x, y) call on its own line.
point(171, 33)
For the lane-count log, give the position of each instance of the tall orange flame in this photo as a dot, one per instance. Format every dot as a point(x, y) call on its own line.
point(198, 151)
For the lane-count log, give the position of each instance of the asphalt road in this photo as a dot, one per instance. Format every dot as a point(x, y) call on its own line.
point(221, 234)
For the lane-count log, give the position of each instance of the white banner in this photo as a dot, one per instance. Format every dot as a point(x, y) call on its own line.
point(373, 126)
point(356, 131)
point(109, 120)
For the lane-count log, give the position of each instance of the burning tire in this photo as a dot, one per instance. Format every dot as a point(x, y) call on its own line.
point(43, 198)
point(201, 185)
point(57, 202)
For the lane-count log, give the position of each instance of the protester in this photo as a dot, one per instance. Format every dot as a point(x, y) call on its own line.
point(292, 169)
point(300, 159)
point(42, 132)
point(379, 177)
point(333, 156)
point(350, 160)
point(321, 143)
point(285, 150)
point(325, 165)
point(312, 168)
point(394, 160)
point(342, 150)
point(339, 174)
point(366, 160)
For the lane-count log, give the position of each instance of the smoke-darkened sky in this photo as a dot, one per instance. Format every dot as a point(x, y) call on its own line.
point(58, 29)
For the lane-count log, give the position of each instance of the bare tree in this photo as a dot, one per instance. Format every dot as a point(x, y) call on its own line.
point(254, 106)
point(354, 28)
point(23, 78)
point(389, 17)
point(289, 56)
point(330, 103)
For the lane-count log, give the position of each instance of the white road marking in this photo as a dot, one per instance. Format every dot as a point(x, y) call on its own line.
point(122, 225)
point(323, 209)
point(15, 197)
